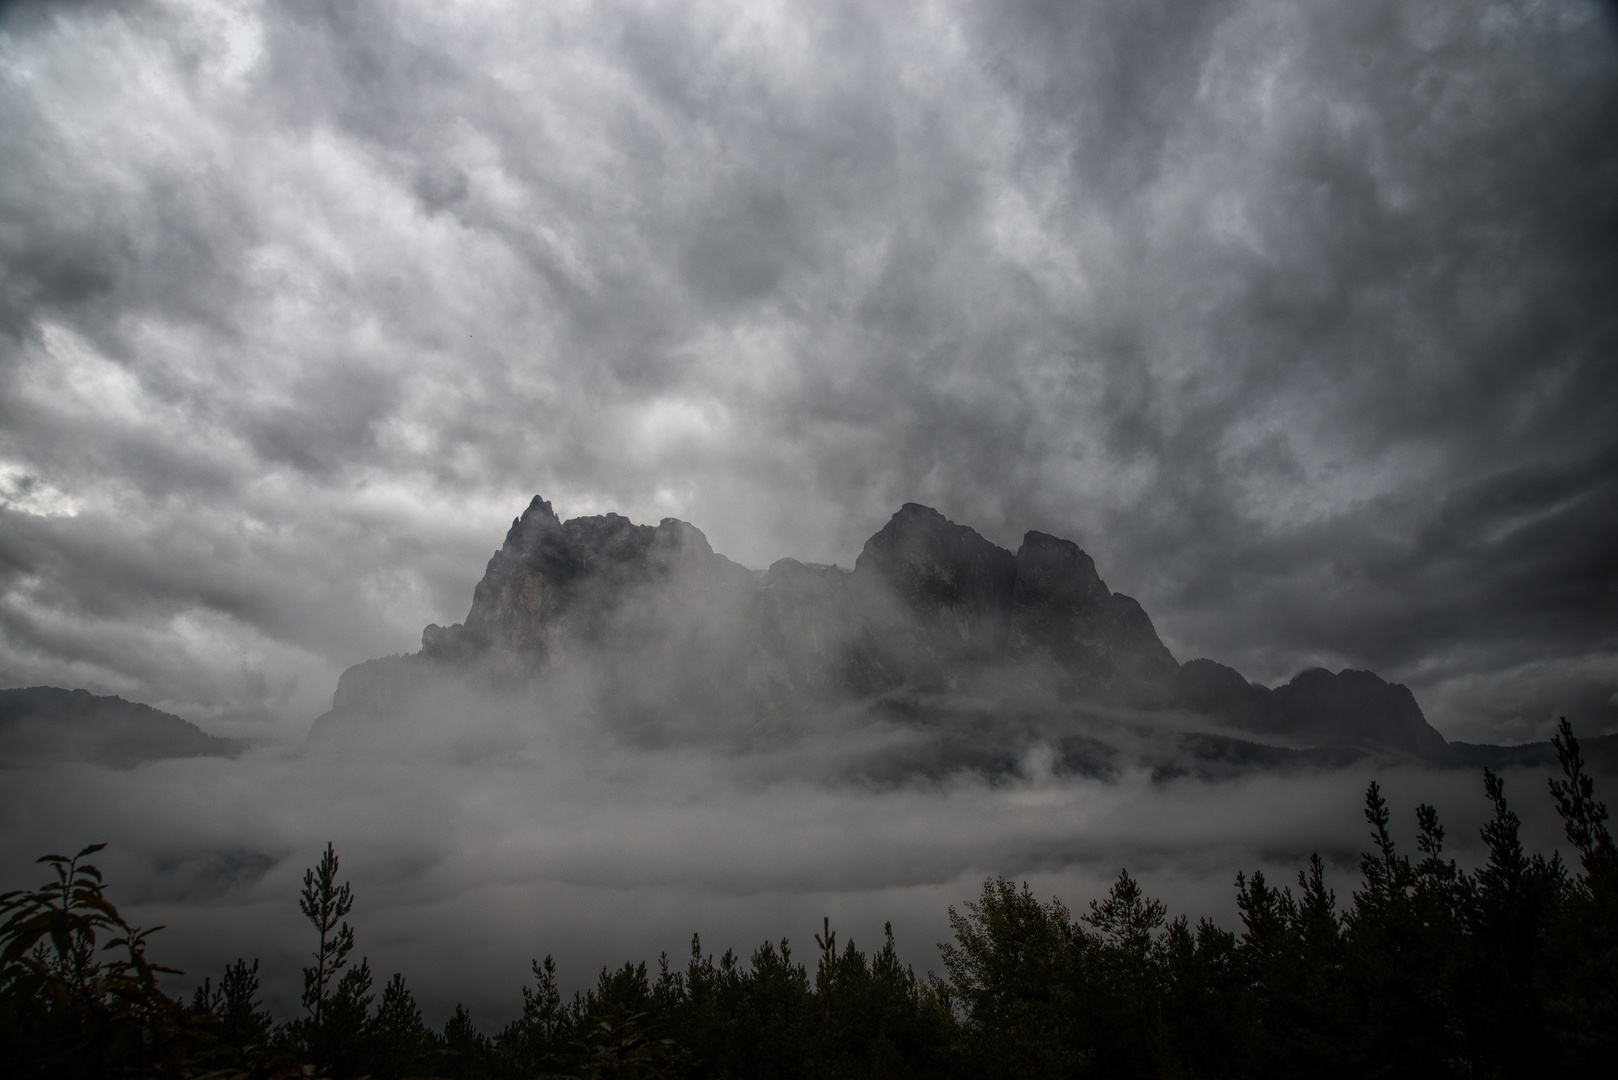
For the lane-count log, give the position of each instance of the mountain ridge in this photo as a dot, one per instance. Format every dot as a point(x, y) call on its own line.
point(934, 625)
point(49, 722)
point(957, 653)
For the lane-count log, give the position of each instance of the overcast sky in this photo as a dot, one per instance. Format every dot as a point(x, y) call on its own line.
point(1302, 318)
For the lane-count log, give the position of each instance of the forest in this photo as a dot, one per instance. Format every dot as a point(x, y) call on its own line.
point(1427, 969)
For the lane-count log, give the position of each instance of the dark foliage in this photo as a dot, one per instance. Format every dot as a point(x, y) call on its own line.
point(1430, 970)
point(64, 1011)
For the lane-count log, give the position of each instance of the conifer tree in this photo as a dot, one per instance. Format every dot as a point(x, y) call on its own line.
point(1396, 966)
point(468, 1052)
point(1122, 998)
point(1512, 899)
point(326, 905)
point(243, 1024)
point(1583, 817)
point(397, 1037)
point(530, 1044)
point(336, 997)
point(1015, 970)
point(1582, 961)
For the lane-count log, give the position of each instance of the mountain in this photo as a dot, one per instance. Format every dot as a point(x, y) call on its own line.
point(46, 722)
point(976, 651)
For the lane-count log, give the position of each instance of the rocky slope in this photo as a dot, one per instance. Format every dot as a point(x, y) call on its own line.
point(934, 627)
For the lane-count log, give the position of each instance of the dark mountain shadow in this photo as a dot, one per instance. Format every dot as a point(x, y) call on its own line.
point(49, 723)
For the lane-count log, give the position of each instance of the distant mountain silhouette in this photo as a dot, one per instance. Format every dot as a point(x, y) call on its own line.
point(46, 722)
point(935, 627)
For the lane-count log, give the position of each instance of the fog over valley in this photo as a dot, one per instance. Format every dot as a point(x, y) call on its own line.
point(468, 860)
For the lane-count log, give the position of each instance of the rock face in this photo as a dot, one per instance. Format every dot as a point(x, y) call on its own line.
point(955, 586)
point(931, 616)
point(552, 584)
point(1097, 640)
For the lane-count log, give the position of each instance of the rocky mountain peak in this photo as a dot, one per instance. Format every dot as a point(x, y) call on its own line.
point(952, 579)
point(1056, 576)
point(526, 532)
point(553, 579)
point(932, 613)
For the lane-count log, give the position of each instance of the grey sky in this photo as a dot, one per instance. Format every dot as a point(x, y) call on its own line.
point(1298, 316)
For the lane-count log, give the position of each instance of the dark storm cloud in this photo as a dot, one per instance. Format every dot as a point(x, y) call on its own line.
point(1296, 316)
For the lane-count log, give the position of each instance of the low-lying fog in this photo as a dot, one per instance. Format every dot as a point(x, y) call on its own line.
point(477, 844)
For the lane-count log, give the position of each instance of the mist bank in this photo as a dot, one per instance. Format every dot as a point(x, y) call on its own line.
point(472, 854)
point(1501, 970)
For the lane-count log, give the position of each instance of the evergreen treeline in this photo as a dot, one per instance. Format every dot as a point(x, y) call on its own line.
point(1428, 970)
